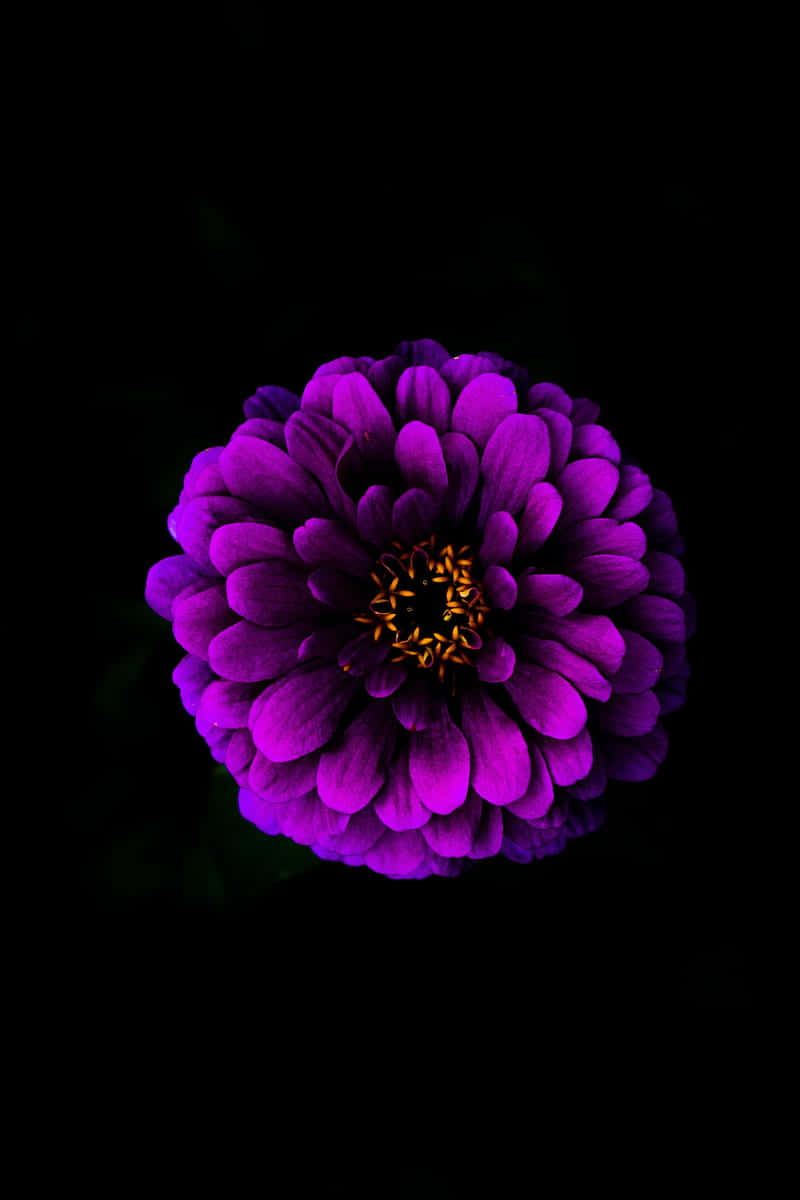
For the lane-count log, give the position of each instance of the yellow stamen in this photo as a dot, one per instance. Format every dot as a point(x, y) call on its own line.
point(376, 633)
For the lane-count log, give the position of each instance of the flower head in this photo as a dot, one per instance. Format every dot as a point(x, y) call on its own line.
point(428, 611)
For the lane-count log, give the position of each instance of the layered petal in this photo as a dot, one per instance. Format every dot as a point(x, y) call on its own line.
point(501, 766)
point(546, 701)
point(302, 711)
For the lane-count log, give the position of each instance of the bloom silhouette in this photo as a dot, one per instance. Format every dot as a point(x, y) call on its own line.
point(428, 611)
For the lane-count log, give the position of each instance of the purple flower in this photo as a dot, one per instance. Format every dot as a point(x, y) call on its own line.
point(428, 611)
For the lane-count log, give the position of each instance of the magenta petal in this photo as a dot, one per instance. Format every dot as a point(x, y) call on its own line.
point(500, 587)
point(171, 576)
point(302, 711)
point(363, 830)
point(653, 616)
point(279, 782)
point(269, 431)
point(192, 676)
point(316, 443)
point(516, 457)
point(594, 441)
point(538, 518)
point(557, 593)
point(200, 517)
point(413, 515)
point(386, 679)
point(489, 834)
point(422, 352)
point(568, 760)
point(658, 519)
point(499, 540)
point(296, 819)
point(422, 395)
point(463, 467)
point(592, 785)
point(397, 804)
point(240, 755)
point(328, 824)
point(546, 701)
point(260, 813)
point(246, 542)
point(362, 654)
point(538, 795)
point(247, 653)
point(353, 770)
point(586, 487)
point(482, 405)
point(495, 661)
point(418, 454)
point(463, 368)
point(374, 515)
point(384, 375)
point(321, 542)
point(641, 667)
point(639, 758)
point(667, 576)
point(439, 764)
point(327, 642)
point(609, 579)
point(200, 617)
point(417, 705)
point(396, 853)
point(634, 492)
point(595, 637)
point(452, 835)
point(602, 535)
point(257, 471)
point(317, 395)
point(274, 403)
point(574, 667)
point(584, 412)
point(628, 715)
point(501, 767)
point(360, 410)
point(270, 593)
point(227, 704)
point(548, 395)
point(561, 430)
point(337, 590)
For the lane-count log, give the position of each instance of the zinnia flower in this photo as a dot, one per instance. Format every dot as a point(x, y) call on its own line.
point(428, 611)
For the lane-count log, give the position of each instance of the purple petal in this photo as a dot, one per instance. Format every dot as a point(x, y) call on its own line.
point(269, 431)
point(602, 535)
point(592, 785)
point(270, 593)
point(499, 540)
point(633, 493)
point(240, 755)
point(247, 653)
point(200, 517)
point(500, 587)
point(516, 457)
point(422, 395)
point(199, 618)
point(316, 444)
point(199, 464)
point(568, 760)
point(317, 395)
point(192, 676)
point(353, 770)
point(546, 701)
point(363, 830)
point(452, 835)
point(171, 576)
point(584, 412)
point(359, 408)
point(363, 654)
point(667, 576)
point(422, 352)
point(274, 403)
point(482, 405)
point(418, 454)
point(560, 429)
point(302, 711)
point(628, 715)
point(654, 616)
point(586, 487)
point(384, 375)
point(245, 542)
point(279, 782)
point(413, 515)
point(495, 661)
point(396, 853)
point(439, 765)
point(417, 705)
point(641, 667)
point(337, 590)
point(227, 704)
point(462, 462)
point(463, 368)
point(397, 804)
point(595, 637)
point(557, 593)
point(639, 758)
point(608, 579)
point(658, 519)
point(538, 517)
point(321, 542)
point(548, 395)
point(296, 819)
point(572, 666)
point(344, 366)
point(501, 768)
point(538, 796)
point(386, 679)
point(258, 812)
point(257, 471)
point(328, 824)
point(489, 834)
point(375, 515)
point(594, 441)
point(326, 643)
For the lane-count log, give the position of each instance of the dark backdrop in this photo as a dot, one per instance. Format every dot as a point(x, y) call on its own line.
point(200, 282)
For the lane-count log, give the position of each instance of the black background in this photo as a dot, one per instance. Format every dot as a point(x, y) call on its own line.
point(212, 253)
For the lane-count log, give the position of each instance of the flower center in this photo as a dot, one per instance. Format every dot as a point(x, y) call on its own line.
point(429, 605)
